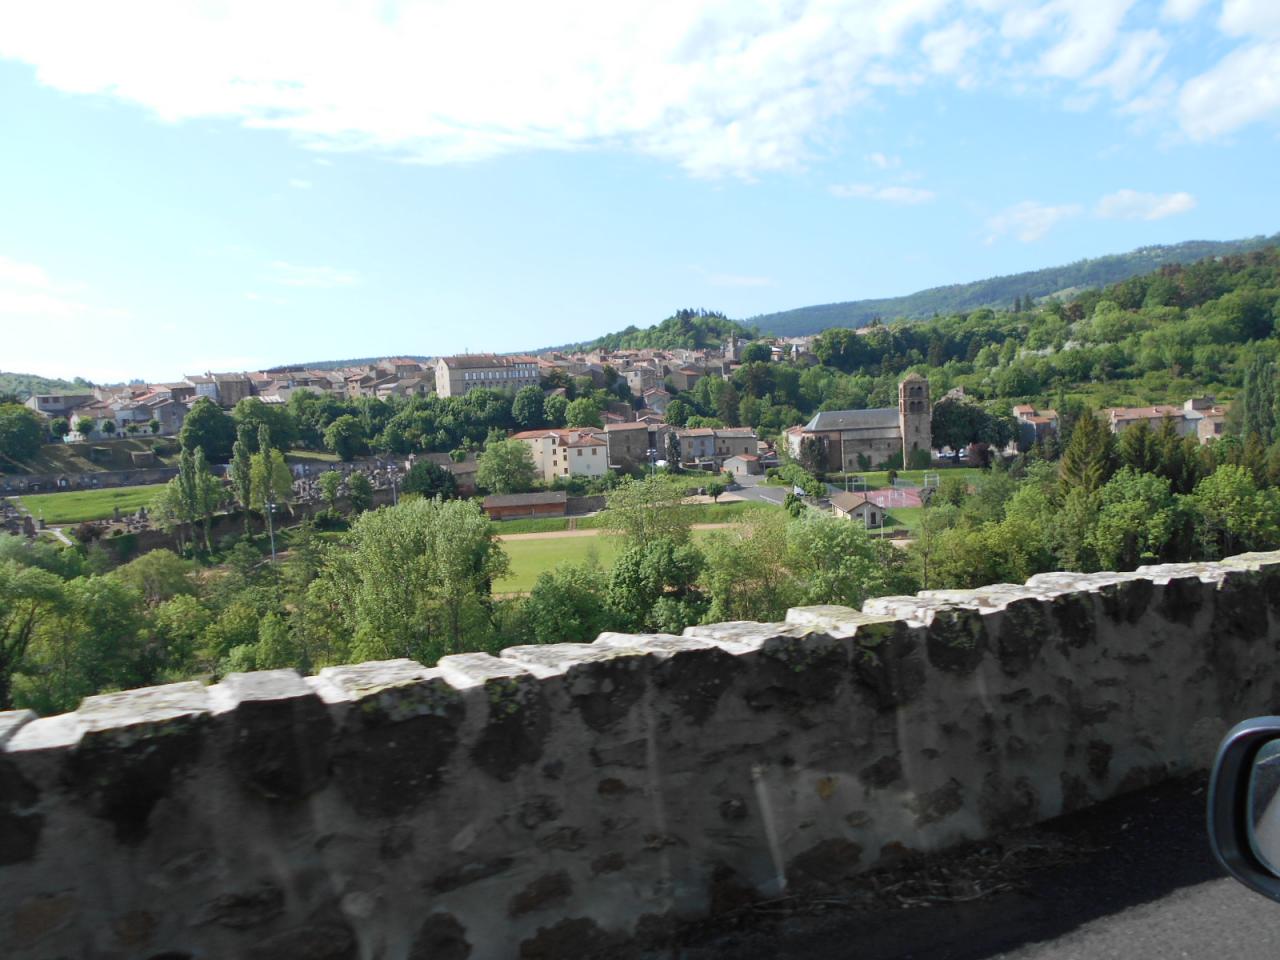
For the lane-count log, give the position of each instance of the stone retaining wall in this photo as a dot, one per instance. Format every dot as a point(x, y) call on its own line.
point(567, 800)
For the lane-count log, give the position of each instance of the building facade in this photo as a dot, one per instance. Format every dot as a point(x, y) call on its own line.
point(567, 453)
point(456, 376)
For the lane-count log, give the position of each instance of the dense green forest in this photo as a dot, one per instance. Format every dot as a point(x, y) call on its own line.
point(687, 328)
point(1001, 292)
point(23, 385)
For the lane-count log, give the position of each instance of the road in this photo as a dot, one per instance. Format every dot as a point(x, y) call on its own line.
point(1132, 879)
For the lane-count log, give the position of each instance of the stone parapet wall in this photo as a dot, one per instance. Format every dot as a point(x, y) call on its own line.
point(566, 800)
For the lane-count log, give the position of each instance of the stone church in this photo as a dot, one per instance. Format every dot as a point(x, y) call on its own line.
point(876, 435)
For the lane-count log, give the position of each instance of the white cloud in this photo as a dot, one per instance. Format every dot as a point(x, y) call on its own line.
point(1181, 10)
point(294, 275)
point(948, 48)
point(887, 194)
point(1241, 88)
point(1132, 205)
point(1030, 220)
point(717, 86)
point(737, 280)
point(1140, 56)
point(882, 161)
point(1248, 18)
point(299, 184)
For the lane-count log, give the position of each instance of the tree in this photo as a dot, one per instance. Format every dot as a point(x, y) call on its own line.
point(528, 407)
point(157, 576)
point(330, 483)
point(651, 571)
point(678, 413)
point(108, 427)
point(956, 423)
point(506, 466)
point(1138, 448)
point(554, 408)
point(835, 561)
point(346, 437)
point(1138, 520)
point(27, 595)
point(1088, 460)
point(242, 474)
point(715, 489)
point(564, 605)
point(59, 427)
point(154, 426)
point(270, 482)
point(418, 578)
point(359, 492)
point(209, 427)
point(583, 412)
point(251, 415)
point(648, 509)
point(1232, 514)
point(747, 573)
point(85, 426)
point(431, 480)
point(21, 432)
point(757, 352)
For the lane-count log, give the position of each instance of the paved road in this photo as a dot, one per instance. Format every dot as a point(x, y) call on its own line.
point(752, 488)
point(1137, 882)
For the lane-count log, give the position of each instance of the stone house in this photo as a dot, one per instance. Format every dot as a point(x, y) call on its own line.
point(856, 507)
point(567, 453)
point(743, 464)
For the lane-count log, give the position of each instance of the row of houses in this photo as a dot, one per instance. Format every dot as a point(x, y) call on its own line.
point(592, 452)
point(1200, 417)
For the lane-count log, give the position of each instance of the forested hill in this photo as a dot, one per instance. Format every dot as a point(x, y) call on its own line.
point(688, 329)
point(999, 292)
point(25, 384)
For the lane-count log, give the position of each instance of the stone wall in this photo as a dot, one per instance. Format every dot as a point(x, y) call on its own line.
point(562, 800)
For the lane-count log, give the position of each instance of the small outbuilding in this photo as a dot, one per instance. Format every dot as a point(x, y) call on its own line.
point(856, 507)
point(510, 505)
point(743, 464)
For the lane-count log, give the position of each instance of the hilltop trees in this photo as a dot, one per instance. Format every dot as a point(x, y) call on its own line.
point(21, 432)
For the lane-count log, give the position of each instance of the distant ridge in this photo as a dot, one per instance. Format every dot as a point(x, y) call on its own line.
point(337, 364)
point(1001, 291)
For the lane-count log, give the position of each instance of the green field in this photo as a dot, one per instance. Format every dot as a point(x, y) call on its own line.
point(531, 557)
point(77, 505)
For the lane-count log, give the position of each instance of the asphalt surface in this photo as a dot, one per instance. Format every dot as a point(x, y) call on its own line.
point(1133, 879)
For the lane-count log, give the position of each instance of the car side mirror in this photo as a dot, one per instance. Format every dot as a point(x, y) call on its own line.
point(1244, 805)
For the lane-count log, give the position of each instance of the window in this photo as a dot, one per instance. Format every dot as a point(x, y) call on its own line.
point(579, 452)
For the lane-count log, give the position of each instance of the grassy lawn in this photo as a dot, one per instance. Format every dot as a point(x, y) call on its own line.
point(77, 505)
point(311, 456)
point(531, 557)
point(908, 517)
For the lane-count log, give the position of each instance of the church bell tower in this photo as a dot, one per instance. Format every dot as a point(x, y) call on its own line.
point(914, 414)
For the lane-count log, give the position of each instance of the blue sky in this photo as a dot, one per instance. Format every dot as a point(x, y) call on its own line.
point(237, 183)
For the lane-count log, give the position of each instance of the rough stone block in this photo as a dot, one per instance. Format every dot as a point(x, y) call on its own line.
point(11, 721)
point(280, 732)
